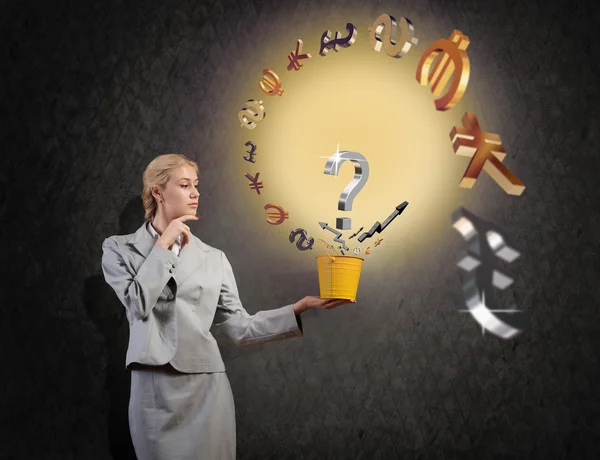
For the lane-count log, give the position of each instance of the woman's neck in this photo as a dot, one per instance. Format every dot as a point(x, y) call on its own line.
point(160, 223)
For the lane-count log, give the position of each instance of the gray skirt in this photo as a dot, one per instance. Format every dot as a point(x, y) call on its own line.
point(177, 416)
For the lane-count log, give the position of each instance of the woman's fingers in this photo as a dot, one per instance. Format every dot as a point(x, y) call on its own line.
point(186, 238)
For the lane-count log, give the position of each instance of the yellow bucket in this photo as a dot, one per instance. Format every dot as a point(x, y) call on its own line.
point(338, 275)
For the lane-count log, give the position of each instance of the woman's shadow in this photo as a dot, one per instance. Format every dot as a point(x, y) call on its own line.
point(108, 314)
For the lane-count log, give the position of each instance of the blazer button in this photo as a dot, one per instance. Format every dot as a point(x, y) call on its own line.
point(170, 270)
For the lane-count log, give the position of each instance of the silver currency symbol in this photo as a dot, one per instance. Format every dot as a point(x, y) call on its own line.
point(357, 251)
point(485, 243)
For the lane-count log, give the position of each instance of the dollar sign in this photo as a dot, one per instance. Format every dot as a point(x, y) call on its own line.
point(303, 238)
point(248, 117)
point(387, 24)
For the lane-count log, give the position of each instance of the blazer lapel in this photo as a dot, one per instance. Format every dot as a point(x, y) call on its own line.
point(191, 257)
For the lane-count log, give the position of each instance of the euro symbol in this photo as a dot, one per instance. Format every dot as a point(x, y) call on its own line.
point(485, 244)
point(453, 61)
point(271, 84)
point(280, 215)
point(486, 152)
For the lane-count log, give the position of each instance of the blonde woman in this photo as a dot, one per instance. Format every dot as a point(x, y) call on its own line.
point(174, 287)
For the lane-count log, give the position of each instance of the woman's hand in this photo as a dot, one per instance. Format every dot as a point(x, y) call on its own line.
point(313, 301)
point(175, 228)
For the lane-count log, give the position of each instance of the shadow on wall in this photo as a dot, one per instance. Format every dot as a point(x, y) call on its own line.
point(108, 314)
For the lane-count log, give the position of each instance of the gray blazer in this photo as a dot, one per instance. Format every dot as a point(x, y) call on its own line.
point(172, 301)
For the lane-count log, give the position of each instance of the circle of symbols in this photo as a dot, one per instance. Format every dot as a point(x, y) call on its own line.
point(443, 60)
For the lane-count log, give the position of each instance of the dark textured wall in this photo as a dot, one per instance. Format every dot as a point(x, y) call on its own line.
point(92, 91)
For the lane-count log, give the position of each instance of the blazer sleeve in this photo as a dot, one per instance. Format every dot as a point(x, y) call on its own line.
point(139, 291)
point(244, 329)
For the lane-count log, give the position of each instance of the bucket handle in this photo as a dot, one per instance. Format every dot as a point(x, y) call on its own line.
point(329, 247)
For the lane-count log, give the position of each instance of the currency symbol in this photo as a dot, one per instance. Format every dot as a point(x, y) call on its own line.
point(271, 84)
point(251, 152)
point(255, 184)
point(257, 115)
point(485, 243)
point(295, 58)
point(303, 238)
point(378, 242)
point(368, 250)
point(327, 42)
point(357, 251)
point(280, 215)
point(486, 152)
point(386, 23)
point(453, 61)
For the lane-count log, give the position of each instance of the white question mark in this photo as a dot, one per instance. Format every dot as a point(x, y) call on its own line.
point(361, 175)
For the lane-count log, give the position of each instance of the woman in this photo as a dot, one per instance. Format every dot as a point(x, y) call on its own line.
point(174, 287)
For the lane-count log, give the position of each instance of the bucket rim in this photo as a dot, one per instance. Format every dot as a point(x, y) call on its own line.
point(342, 256)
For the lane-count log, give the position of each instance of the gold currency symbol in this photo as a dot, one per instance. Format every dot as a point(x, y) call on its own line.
point(453, 61)
point(378, 242)
point(271, 84)
point(257, 115)
point(486, 152)
point(280, 215)
point(368, 250)
point(387, 24)
point(254, 184)
point(295, 58)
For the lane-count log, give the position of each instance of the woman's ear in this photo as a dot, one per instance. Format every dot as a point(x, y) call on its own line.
point(156, 194)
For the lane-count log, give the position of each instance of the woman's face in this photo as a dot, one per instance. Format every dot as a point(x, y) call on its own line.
point(181, 193)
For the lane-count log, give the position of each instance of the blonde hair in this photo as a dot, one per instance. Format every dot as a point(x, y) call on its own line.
point(157, 174)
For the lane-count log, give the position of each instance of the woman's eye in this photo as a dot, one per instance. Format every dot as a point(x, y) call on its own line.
point(184, 186)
